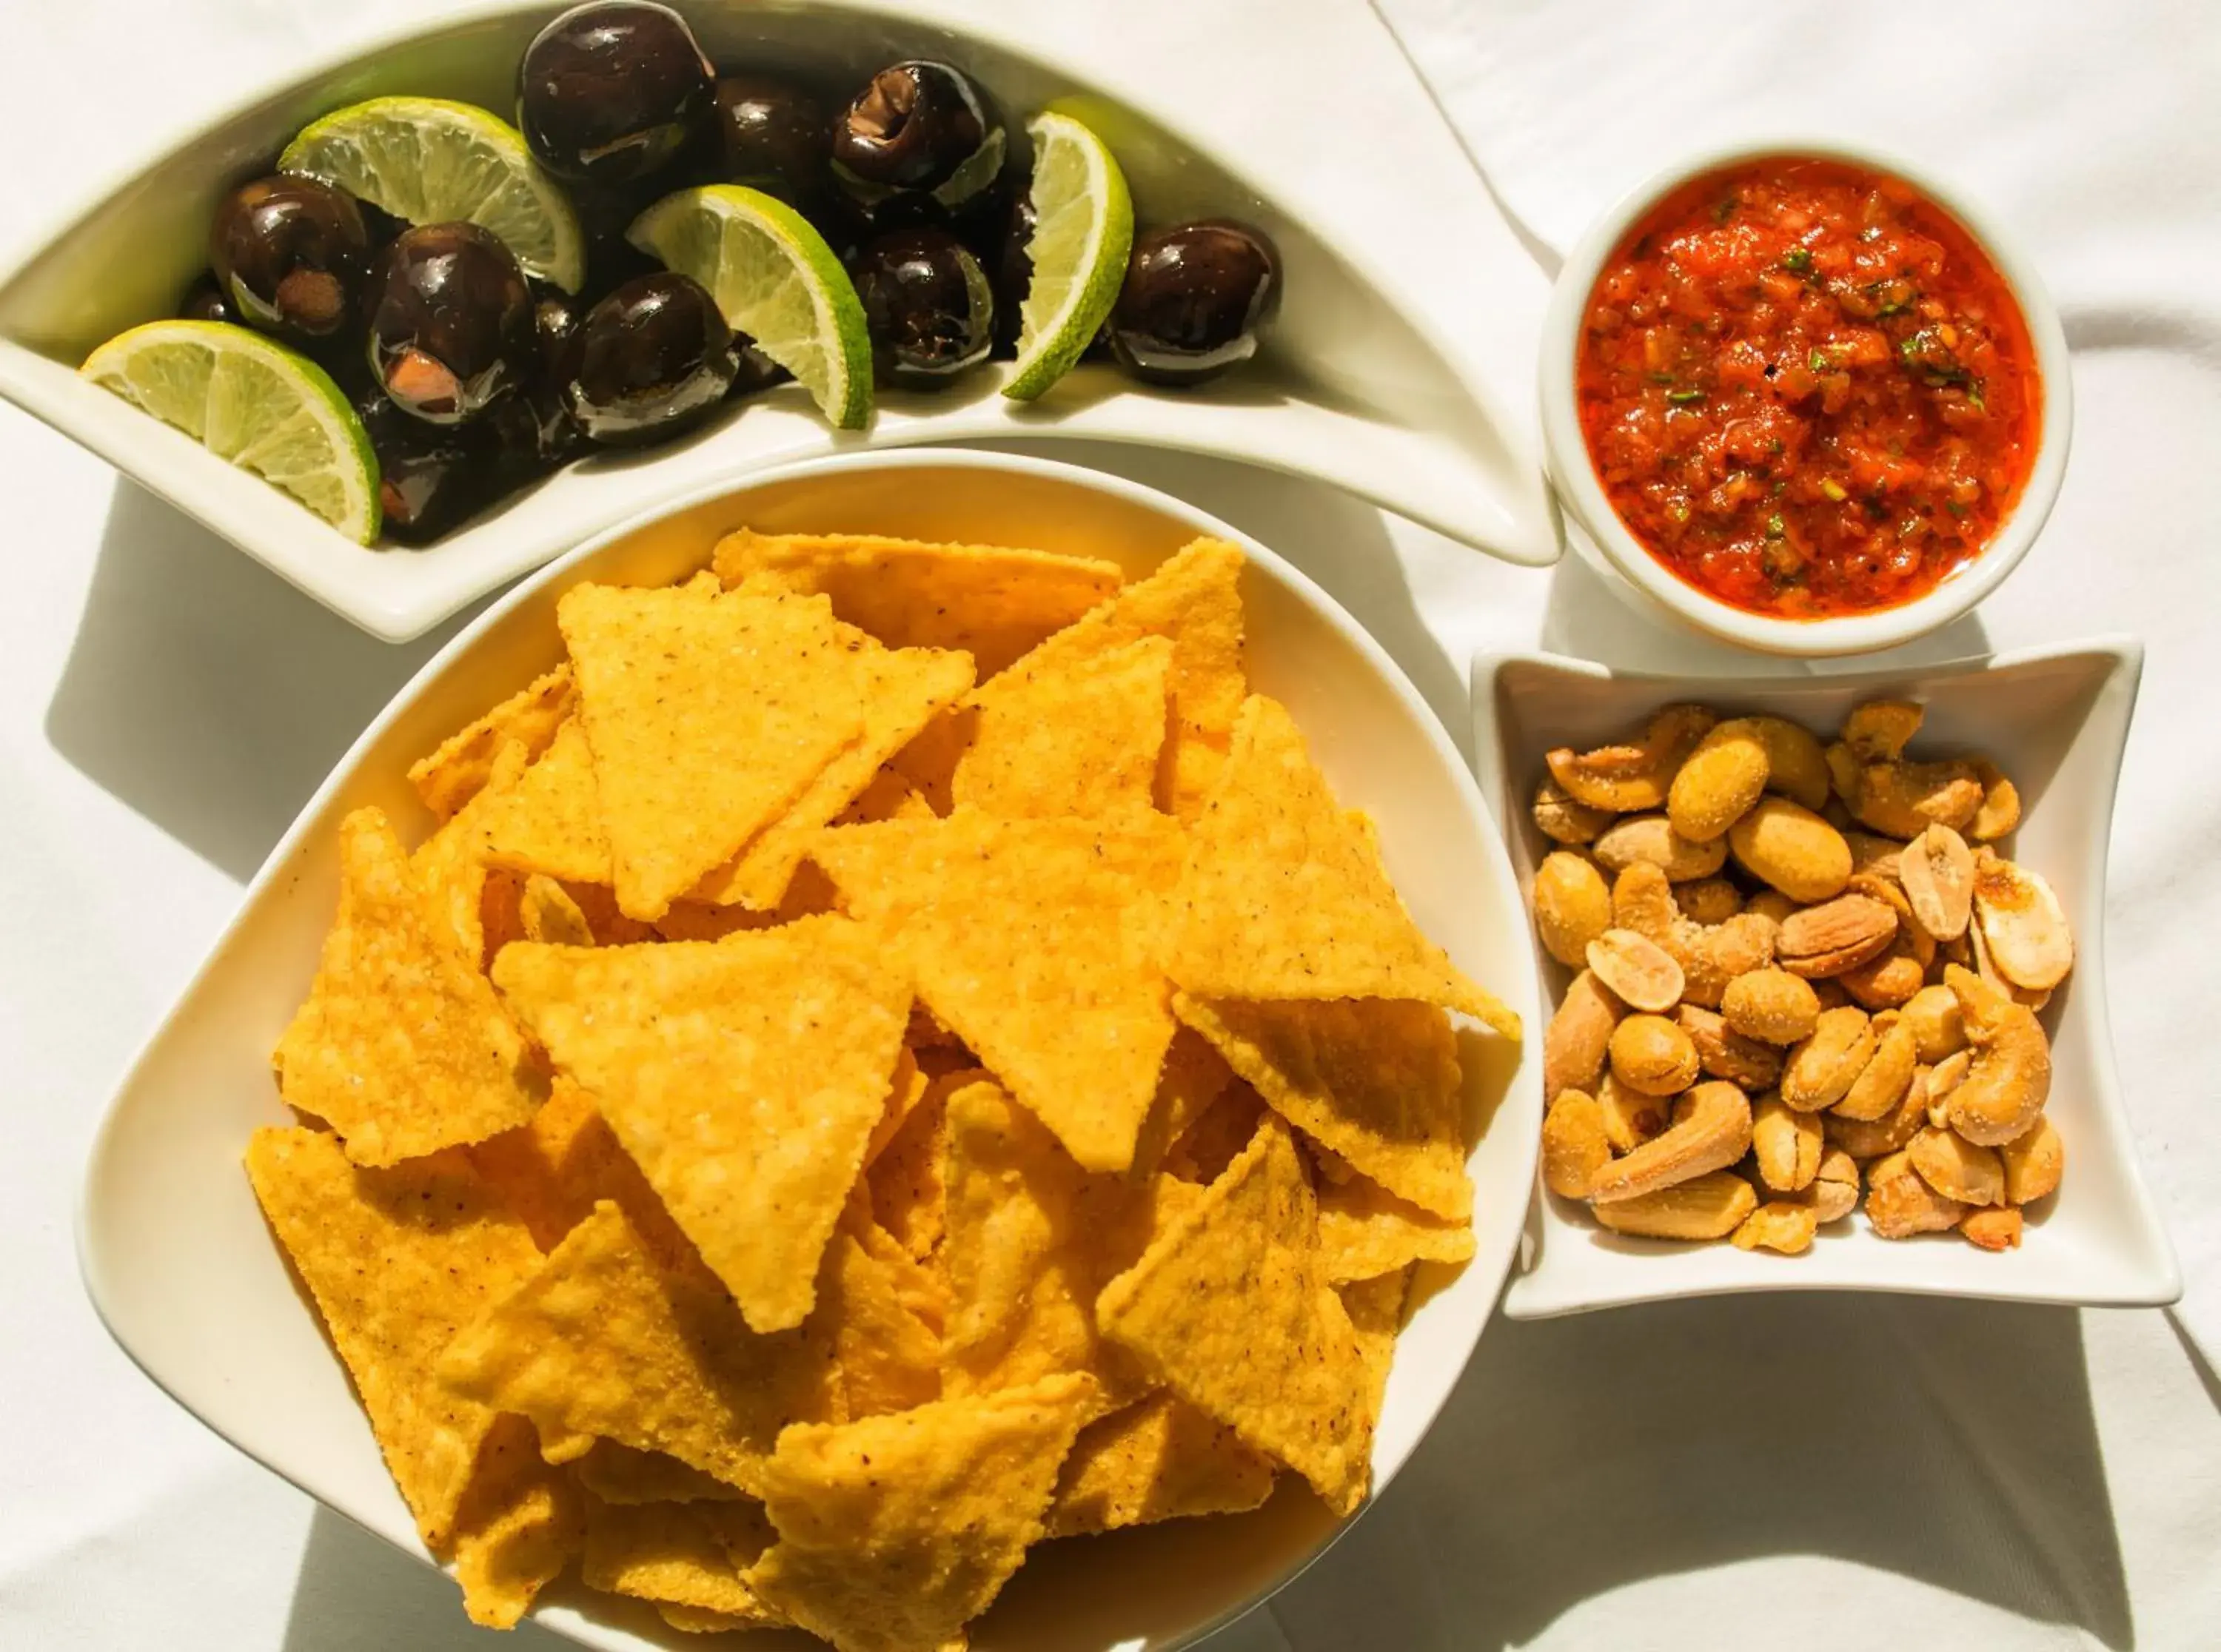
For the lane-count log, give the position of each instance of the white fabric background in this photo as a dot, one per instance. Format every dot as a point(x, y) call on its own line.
point(1837, 1470)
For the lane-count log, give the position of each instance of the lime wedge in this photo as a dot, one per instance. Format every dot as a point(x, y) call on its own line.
point(776, 281)
point(1083, 230)
point(255, 403)
point(431, 161)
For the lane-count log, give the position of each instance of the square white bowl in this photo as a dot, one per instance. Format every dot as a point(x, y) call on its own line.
point(185, 1274)
point(2055, 719)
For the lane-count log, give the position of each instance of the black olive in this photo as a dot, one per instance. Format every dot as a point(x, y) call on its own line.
point(204, 302)
point(1013, 267)
point(918, 125)
point(1192, 301)
point(772, 137)
point(613, 92)
point(451, 321)
point(928, 307)
point(650, 360)
point(752, 370)
point(430, 477)
point(546, 435)
point(291, 254)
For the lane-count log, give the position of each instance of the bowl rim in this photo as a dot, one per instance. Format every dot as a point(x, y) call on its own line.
point(1495, 1250)
point(1573, 474)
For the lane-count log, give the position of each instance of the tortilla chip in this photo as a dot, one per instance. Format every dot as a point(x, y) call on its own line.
point(1365, 1231)
point(1210, 1144)
point(397, 1260)
point(1375, 1307)
point(447, 866)
point(1158, 1459)
point(1231, 1308)
point(617, 1473)
point(809, 896)
point(929, 763)
point(550, 821)
point(743, 1076)
point(601, 1340)
point(1031, 940)
point(695, 1620)
point(450, 776)
point(904, 1096)
point(1194, 1075)
point(889, 796)
point(552, 1171)
point(1376, 1080)
point(1081, 735)
point(903, 689)
point(921, 1289)
point(519, 1525)
point(547, 913)
point(895, 1531)
point(907, 1178)
point(402, 1047)
point(890, 1358)
point(682, 1554)
point(707, 718)
point(992, 603)
point(1283, 896)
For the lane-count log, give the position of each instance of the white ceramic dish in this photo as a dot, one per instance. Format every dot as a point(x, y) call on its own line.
point(186, 1275)
point(1377, 377)
point(1566, 457)
point(2055, 719)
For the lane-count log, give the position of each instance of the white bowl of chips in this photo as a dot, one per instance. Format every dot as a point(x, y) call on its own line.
point(450, 1324)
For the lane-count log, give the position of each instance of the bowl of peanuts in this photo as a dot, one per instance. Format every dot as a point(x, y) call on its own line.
point(1824, 979)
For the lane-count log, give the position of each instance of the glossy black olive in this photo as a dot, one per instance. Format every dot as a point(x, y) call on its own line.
point(1013, 266)
point(291, 254)
point(651, 359)
point(918, 125)
point(204, 302)
point(772, 137)
point(613, 92)
point(1192, 301)
point(430, 477)
point(928, 307)
point(451, 321)
point(753, 370)
point(548, 435)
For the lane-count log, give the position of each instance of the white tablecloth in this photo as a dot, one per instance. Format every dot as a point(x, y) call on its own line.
point(1837, 1470)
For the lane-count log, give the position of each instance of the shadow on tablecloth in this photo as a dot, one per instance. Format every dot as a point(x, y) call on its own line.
point(359, 1594)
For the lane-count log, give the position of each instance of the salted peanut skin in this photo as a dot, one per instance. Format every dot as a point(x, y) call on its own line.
point(1572, 906)
point(1574, 1147)
point(2034, 1162)
point(1790, 847)
point(1771, 1005)
point(1710, 1131)
point(1708, 1206)
point(1957, 1169)
point(1651, 1054)
point(1562, 817)
point(1780, 1224)
point(1787, 1144)
point(1823, 1067)
point(1899, 1204)
point(1652, 837)
point(1579, 1032)
point(1718, 781)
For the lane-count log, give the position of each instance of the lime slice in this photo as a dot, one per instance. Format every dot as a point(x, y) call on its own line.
point(776, 281)
point(431, 161)
point(1083, 230)
point(255, 403)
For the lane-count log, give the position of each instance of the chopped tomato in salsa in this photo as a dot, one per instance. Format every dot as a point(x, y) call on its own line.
point(1806, 388)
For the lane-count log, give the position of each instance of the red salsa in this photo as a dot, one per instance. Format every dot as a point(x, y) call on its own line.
point(1806, 388)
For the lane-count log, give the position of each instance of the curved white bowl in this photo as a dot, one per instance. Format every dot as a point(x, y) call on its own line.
point(1573, 475)
point(184, 1274)
point(1399, 366)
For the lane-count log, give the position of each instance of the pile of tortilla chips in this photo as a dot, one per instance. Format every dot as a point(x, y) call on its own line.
point(889, 1054)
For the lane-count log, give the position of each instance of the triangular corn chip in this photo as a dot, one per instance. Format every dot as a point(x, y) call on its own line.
point(1283, 895)
point(895, 1531)
point(682, 1554)
point(1376, 1080)
point(402, 1047)
point(1375, 1307)
point(520, 1524)
point(1365, 1231)
point(890, 1358)
point(907, 1179)
point(1194, 1075)
point(992, 603)
point(1231, 1308)
point(617, 1473)
point(450, 776)
point(1032, 940)
point(448, 865)
point(1158, 1459)
point(1082, 735)
point(398, 1261)
point(552, 1171)
point(550, 821)
point(743, 1075)
point(546, 911)
point(603, 1341)
point(707, 717)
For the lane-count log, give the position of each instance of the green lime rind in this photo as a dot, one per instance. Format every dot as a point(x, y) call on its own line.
point(1083, 234)
point(255, 404)
point(431, 160)
point(776, 280)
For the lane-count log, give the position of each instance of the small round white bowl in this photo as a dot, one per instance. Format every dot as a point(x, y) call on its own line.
point(1573, 475)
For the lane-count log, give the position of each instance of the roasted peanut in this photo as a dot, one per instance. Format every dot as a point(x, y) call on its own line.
point(2021, 924)
point(1708, 901)
point(1871, 853)
point(1933, 1014)
point(1727, 1053)
point(1707, 1207)
point(1652, 837)
point(1864, 1140)
point(1630, 1118)
point(1937, 871)
point(1575, 1043)
point(1780, 1224)
point(1835, 936)
point(1710, 957)
point(1788, 846)
point(1879, 731)
point(1572, 906)
point(1710, 1131)
point(1771, 904)
point(1835, 1191)
point(1717, 782)
point(1626, 778)
point(1787, 1144)
point(1899, 1204)
point(1575, 1145)
point(1771, 1005)
point(2010, 1078)
point(1642, 973)
point(1899, 800)
point(1886, 982)
point(1957, 1169)
point(1830, 994)
point(2001, 810)
point(1880, 1087)
point(1650, 1054)
point(1843, 770)
point(1944, 1077)
point(2033, 1162)
point(1823, 1067)
point(1997, 1228)
point(1563, 818)
point(1795, 765)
